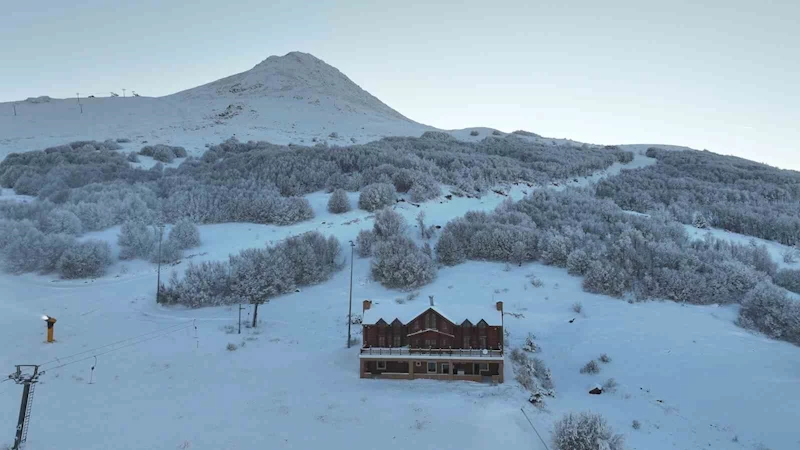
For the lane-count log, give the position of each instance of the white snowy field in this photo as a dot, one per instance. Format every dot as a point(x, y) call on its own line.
point(165, 380)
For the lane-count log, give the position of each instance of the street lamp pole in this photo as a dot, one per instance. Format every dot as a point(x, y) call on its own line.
point(158, 279)
point(350, 311)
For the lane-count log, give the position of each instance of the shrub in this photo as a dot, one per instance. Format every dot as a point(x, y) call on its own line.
point(163, 154)
point(604, 358)
point(577, 307)
point(591, 368)
point(338, 202)
point(399, 263)
point(132, 157)
point(448, 250)
point(62, 221)
point(123, 140)
point(185, 235)
point(496, 133)
point(136, 240)
point(788, 279)
point(231, 347)
point(610, 385)
point(474, 133)
point(585, 431)
point(767, 308)
point(530, 344)
point(364, 243)
point(376, 196)
point(636, 425)
point(171, 251)
point(84, 260)
point(388, 224)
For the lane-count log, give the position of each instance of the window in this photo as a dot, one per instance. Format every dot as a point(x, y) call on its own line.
point(381, 341)
point(484, 367)
point(430, 321)
point(381, 365)
point(397, 340)
point(466, 342)
point(416, 342)
point(483, 341)
point(446, 368)
point(431, 367)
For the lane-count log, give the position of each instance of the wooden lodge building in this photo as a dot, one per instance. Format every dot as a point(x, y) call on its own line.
point(403, 344)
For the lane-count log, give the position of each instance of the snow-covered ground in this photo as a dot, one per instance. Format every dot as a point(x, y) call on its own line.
point(165, 380)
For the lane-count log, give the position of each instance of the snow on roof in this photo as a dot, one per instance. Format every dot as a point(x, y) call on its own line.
point(388, 310)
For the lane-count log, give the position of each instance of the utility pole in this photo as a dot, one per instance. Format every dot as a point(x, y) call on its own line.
point(78, 95)
point(255, 312)
point(14, 105)
point(28, 382)
point(123, 93)
point(240, 318)
point(158, 279)
point(350, 309)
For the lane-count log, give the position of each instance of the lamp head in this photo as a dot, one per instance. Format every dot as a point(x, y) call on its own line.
point(45, 318)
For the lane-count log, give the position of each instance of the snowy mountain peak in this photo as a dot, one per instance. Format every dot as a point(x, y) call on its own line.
point(298, 78)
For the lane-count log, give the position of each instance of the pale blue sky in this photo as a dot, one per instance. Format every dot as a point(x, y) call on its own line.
point(723, 76)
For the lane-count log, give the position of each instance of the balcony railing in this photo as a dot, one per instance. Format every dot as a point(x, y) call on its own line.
point(459, 352)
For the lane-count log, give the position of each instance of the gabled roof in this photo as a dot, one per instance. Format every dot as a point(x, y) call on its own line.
point(389, 310)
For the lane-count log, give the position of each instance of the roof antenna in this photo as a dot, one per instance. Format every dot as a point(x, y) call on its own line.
point(430, 297)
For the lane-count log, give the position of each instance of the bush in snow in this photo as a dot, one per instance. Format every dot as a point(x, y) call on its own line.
point(25, 249)
point(610, 385)
point(449, 251)
point(636, 425)
point(185, 235)
point(768, 309)
point(364, 243)
point(376, 196)
point(62, 221)
point(532, 374)
point(123, 140)
point(170, 252)
point(577, 307)
point(578, 262)
point(530, 344)
point(585, 431)
point(591, 368)
point(791, 255)
point(338, 202)
point(497, 133)
point(388, 224)
point(425, 232)
point(604, 358)
point(84, 259)
point(788, 279)
point(258, 274)
point(132, 157)
point(474, 133)
point(399, 263)
point(231, 347)
point(163, 154)
point(136, 240)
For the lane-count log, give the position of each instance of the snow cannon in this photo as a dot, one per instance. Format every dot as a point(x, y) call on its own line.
point(51, 321)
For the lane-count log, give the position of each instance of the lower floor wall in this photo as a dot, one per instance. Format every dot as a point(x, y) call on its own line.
point(474, 370)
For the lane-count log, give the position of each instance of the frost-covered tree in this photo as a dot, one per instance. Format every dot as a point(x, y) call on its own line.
point(171, 251)
point(338, 202)
point(399, 263)
point(364, 243)
point(424, 231)
point(449, 251)
point(789, 279)
point(136, 240)
point(185, 235)
point(62, 221)
point(85, 259)
point(204, 284)
point(578, 262)
point(585, 431)
point(519, 253)
point(388, 223)
point(768, 309)
point(376, 196)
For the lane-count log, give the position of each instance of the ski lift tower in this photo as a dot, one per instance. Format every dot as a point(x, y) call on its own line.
point(27, 375)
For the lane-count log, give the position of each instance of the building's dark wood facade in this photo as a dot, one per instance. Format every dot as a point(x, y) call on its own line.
point(432, 330)
point(432, 346)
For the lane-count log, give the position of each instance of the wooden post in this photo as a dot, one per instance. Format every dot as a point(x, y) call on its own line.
point(411, 365)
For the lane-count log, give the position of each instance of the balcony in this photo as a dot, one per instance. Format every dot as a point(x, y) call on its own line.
point(430, 353)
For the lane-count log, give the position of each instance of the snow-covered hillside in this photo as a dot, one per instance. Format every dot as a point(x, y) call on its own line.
point(164, 379)
point(294, 98)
